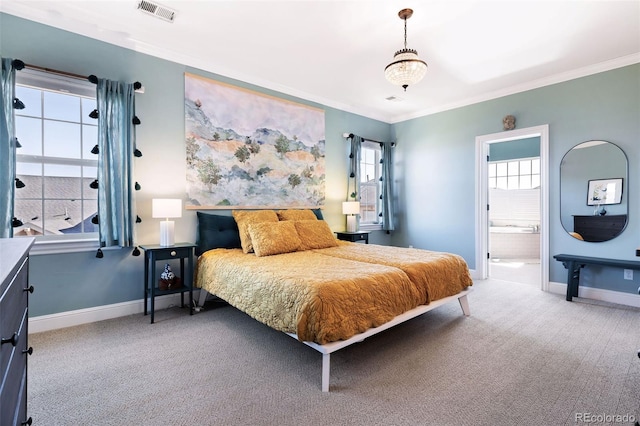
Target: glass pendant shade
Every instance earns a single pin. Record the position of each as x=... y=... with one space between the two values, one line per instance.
x=406 y=69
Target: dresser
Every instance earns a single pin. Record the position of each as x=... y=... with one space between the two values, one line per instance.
x=599 y=228
x=14 y=348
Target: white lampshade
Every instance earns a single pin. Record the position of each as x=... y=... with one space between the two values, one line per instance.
x=350 y=207
x=166 y=208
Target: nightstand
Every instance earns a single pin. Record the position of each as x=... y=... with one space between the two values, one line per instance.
x=354 y=236
x=154 y=253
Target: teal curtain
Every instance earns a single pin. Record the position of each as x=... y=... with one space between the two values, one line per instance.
x=7 y=147
x=353 y=184
x=353 y=191
x=116 y=142
x=387 y=186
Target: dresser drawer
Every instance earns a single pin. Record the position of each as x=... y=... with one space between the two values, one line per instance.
x=13 y=313
x=14 y=324
x=13 y=392
x=12 y=356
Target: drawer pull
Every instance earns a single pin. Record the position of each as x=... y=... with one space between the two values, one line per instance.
x=28 y=351
x=13 y=340
x=173 y=253
x=27 y=422
x=29 y=289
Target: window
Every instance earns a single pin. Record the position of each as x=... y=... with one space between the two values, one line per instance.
x=370 y=190
x=515 y=174
x=55 y=161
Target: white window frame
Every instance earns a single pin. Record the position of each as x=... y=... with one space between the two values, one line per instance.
x=52 y=82
x=375 y=182
x=505 y=169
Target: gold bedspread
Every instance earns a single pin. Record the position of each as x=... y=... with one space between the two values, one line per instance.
x=436 y=274
x=320 y=298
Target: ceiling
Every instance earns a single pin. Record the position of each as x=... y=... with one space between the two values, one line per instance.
x=334 y=52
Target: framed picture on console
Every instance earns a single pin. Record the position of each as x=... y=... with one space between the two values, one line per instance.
x=604 y=191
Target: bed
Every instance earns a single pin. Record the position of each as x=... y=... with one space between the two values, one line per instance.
x=287 y=270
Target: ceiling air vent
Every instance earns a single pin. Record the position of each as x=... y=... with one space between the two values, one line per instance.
x=157 y=10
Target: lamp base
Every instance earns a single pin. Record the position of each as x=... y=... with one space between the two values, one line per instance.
x=167 y=237
x=352 y=225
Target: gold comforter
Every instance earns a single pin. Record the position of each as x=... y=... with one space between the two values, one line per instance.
x=318 y=297
x=330 y=294
x=436 y=274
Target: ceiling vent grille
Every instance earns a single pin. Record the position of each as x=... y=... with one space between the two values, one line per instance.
x=157 y=10
x=394 y=99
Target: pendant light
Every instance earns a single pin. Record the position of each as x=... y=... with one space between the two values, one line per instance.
x=407 y=68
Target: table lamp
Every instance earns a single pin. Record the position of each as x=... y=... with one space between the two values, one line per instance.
x=166 y=208
x=351 y=209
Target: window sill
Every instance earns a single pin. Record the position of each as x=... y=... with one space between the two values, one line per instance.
x=371 y=227
x=44 y=247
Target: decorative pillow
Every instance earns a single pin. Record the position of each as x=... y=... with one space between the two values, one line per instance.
x=315 y=234
x=293 y=214
x=215 y=231
x=245 y=218
x=274 y=238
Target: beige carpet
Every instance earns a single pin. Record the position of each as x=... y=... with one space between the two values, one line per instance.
x=524 y=357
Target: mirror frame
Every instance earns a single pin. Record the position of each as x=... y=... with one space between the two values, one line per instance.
x=599 y=210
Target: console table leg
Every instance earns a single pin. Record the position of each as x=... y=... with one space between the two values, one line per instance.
x=573 y=278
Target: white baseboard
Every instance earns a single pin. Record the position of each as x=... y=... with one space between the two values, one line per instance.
x=618 y=297
x=100 y=313
x=474 y=274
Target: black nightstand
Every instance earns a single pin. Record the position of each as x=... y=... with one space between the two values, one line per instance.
x=354 y=236
x=154 y=253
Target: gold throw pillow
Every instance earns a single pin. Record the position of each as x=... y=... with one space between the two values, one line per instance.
x=244 y=218
x=315 y=234
x=297 y=214
x=274 y=238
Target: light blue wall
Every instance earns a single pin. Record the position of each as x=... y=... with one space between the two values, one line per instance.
x=80 y=280
x=436 y=165
x=521 y=148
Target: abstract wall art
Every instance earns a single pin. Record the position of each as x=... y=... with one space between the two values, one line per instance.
x=249 y=150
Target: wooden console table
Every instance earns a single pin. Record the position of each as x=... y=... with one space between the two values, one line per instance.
x=575 y=263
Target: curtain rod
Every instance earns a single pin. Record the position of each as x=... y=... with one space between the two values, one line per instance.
x=137 y=86
x=350 y=135
x=63 y=73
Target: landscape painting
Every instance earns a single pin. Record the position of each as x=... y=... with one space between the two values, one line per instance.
x=249 y=150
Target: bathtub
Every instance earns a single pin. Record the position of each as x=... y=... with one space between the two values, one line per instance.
x=514 y=242
x=513 y=229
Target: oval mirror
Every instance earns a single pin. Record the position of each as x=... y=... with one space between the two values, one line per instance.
x=593 y=192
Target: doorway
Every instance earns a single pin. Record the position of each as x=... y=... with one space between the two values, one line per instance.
x=514 y=228
x=514 y=210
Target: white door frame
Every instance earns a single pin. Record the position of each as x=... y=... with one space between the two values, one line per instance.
x=482 y=194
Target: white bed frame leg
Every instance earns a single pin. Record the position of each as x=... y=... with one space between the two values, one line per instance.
x=325 y=372
x=464 y=304
x=203 y=297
